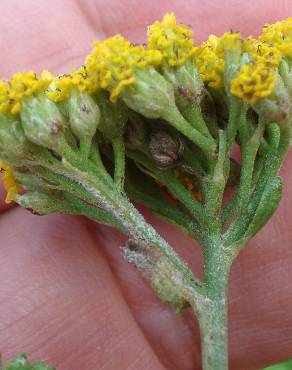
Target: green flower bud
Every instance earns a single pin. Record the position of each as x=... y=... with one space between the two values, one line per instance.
x=277 y=107
x=190 y=93
x=83 y=113
x=151 y=95
x=114 y=117
x=189 y=87
x=14 y=146
x=43 y=123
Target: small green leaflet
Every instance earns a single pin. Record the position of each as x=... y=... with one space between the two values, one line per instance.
x=287 y=365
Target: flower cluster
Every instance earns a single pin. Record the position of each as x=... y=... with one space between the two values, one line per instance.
x=134 y=75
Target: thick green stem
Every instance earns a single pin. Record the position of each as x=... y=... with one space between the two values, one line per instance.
x=214 y=334
x=212 y=313
x=211 y=306
x=122 y=209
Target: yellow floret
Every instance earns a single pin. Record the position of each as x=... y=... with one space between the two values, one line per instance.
x=175 y=42
x=22 y=84
x=279 y=35
x=62 y=85
x=262 y=52
x=5 y=102
x=253 y=82
x=228 y=42
x=9 y=182
x=209 y=63
x=113 y=63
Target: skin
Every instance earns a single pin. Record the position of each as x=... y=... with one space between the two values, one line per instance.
x=67 y=296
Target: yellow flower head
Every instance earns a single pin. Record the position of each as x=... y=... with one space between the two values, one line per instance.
x=22 y=84
x=209 y=63
x=62 y=85
x=175 y=42
x=279 y=35
x=253 y=82
x=262 y=52
x=5 y=102
x=9 y=182
x=228 y=42
x=114 y=61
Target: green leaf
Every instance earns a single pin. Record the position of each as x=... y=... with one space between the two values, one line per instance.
x=283 y=366
x=21 y=363
x=268 y=204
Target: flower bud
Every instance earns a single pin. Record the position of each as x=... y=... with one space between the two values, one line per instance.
x=277 y=107
x=165 y=150
x=43 y=123
x=14 y=147
x=83 y=113
x=151 y=95
x=187 y=82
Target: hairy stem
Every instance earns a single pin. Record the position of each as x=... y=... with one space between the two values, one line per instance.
x=212 y=310
x=214 y=335
x=115 y=203
x=119 y=156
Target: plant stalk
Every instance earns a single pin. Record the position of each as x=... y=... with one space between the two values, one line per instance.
x=212 y=311
x=214 y=332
